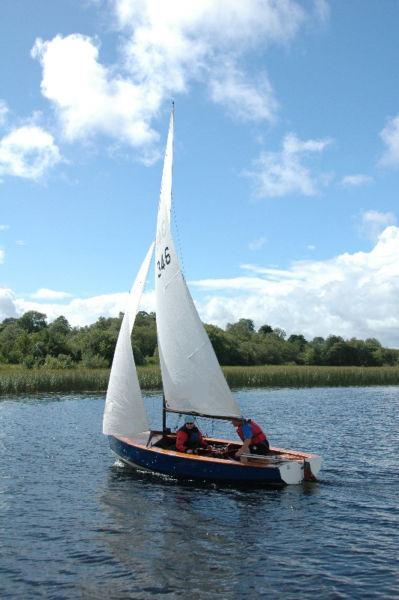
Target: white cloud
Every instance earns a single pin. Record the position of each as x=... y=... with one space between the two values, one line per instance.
x=165 y=47
x=175 y=43
x=88 y=98
x=46 y=294
x=80 y=311
x=374 y=222
x=281 y=173
x=21 y=243
x=257 y=244
x=349 y=295
x=322 y=10
x=356 y=180
x=7 y=304
x=28 y=152
x=3 y=112
x=164 y=28
x=244 y=100
x=390 y=137
x=4 y=227
x=2 y=255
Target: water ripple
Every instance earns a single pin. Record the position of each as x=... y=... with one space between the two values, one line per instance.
x=75 y=525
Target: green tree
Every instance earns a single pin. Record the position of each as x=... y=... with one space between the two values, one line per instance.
x=279 y=333
x=298 y=340
x=62 y=361
x=39 y=351
x=145 y=333
x=342 y=353
x=8 y=340
x=389 y=356
x=225 y=346
x=23 y=345
x=8 y=321
x=33 y=321
x=57 y=336
x=273 y=349
x=60 y=326
x=265 y=329
x=243 y=329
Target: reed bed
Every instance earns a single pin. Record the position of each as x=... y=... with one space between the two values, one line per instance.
x=310 y=376
x=17 y=380
x=20 y=380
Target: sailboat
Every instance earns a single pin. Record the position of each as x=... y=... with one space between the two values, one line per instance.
x=193 y=382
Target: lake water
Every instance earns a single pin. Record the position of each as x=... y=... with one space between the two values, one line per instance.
x=75 y=525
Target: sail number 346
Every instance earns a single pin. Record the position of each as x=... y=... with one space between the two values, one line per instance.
x=165 y=260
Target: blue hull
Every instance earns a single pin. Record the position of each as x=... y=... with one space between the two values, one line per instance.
x=183 y=467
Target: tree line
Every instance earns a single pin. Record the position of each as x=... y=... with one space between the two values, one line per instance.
x=32 y=342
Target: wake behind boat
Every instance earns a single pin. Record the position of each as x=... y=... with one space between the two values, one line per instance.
x=193 y=382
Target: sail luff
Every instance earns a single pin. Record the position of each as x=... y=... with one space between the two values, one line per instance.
x=124 y=411
x=165 y=197
x=192 y=378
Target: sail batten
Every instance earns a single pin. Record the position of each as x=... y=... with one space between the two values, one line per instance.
x=124 y=412
x=193 y=381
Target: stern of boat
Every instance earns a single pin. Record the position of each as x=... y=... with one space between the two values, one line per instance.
x=292 y=472
x=312 y=466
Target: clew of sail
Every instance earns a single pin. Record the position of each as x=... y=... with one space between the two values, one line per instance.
x=193 y=381
x=124 y=412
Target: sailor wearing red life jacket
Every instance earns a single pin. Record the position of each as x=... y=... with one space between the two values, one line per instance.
x=253 y=438
x=189 y=438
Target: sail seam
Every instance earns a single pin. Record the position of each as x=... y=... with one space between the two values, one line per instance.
x=170 y=280
x=197 y=350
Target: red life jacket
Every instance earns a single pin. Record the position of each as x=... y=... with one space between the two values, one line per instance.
x=257 y=434
x=189 y=438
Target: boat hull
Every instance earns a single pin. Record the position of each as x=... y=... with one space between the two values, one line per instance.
x=270 y=471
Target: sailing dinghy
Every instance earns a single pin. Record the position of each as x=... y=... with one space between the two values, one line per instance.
x=193 y=382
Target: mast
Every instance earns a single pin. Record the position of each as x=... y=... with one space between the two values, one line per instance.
x=163 y=414
x=166 y=183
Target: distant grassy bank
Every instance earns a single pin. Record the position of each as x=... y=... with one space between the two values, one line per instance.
x=17 y=380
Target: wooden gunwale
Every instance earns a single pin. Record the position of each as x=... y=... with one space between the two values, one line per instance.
x=283 y=454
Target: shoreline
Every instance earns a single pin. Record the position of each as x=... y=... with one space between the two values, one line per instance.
x=17 y=380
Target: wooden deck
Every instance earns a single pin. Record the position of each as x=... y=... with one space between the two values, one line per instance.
x=276 y=457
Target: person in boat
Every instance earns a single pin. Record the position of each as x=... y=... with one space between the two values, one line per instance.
x=253 y=438
x=189 y=438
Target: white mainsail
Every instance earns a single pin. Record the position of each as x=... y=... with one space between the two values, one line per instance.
x=193 y=381
x=124 y=412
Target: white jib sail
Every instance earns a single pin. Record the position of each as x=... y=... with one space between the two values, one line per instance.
x=192 y=378
x=124 y=412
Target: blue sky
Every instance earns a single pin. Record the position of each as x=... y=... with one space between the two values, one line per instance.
x=286 y=158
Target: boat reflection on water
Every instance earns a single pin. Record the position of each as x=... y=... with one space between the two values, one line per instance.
x=168 y=534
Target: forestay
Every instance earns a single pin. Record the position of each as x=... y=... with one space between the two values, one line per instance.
x=124 y=412
x=193 y=381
